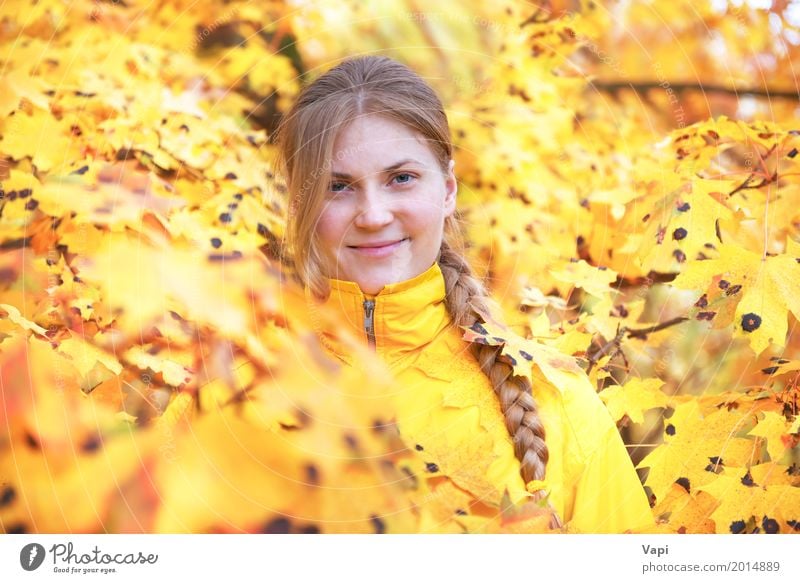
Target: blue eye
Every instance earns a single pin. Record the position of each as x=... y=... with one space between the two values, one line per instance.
x=404 y=174
x=334 y=184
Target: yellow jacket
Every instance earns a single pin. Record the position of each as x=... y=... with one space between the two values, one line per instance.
x=448 y=411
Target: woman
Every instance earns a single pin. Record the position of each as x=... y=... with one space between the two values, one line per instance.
x=366 y=154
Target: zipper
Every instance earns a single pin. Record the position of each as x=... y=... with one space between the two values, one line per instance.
x=369 y=321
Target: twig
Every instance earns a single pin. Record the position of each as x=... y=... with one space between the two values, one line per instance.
x=616 y=86
x=642 y=333
x=616 y=342
x=605 y=349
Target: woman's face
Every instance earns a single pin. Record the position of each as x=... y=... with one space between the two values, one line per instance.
x=383 y=218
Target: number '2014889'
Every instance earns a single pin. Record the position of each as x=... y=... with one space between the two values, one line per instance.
x=754 y=566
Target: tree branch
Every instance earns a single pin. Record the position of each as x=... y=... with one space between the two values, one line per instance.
x=644 y=86
x=642 y=333
x=614 y=346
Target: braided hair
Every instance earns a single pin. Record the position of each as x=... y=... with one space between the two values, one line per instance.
x=465 y=300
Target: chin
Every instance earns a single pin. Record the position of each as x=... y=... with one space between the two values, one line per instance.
x=372 y=284
x=371 y=280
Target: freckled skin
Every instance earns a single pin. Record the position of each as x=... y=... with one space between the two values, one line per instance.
x=372 y=205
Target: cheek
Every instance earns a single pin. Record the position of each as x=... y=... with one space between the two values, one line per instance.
x=331 y=227
x=424 y=218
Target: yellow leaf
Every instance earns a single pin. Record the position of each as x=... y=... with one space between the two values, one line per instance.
x=15 y=316
x=693 y=445
x=747 y=506
x=572 y=342
x=522 y=354
x=775 y=429
x=144 y=283
x=15 y=86
x=533 y=296
x=178 y=408
x=683 y=223
x=540 y=326
x=687 y=512
x=174 y=373
x=782 y=366
x=767 y=289
x=595 y=280
x=41 y=137
x=633 y=398
x=118 y=197
x=608 y=316
x=84 y=355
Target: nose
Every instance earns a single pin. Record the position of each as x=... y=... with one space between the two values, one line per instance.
x=374 y=209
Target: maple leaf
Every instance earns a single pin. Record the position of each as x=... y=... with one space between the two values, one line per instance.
x=114 y=195
x=299 y=448
x=13 y=314
x=533 y=296
x=530 y=516
x=633 y=398
x=764 y=289
x=747 y=506
x=92 y=363
x=144 y=283
x=42 y=138
x=522 y=354
x=607 y=316
x=687 y=511
x=775 y=429
x=174 y=373
x=682 y=225
x=16 y=86
x=77 y=446
x=595 y=280
x=781 y=366
x=691 y=440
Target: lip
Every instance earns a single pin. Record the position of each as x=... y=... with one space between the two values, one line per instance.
x=379 y=249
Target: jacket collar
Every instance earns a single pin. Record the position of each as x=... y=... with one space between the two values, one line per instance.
x=407 y=316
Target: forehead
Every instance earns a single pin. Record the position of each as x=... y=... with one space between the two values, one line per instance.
x=374 y=142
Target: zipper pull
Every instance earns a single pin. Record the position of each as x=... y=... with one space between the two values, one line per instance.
x=369 y=321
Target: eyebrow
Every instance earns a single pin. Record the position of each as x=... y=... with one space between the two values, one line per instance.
x=394 y=166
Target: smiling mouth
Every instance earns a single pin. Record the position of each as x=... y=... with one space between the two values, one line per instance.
x=378 y=246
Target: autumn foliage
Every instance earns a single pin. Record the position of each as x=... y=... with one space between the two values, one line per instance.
x=629 y=176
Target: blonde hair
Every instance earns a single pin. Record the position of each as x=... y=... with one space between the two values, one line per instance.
x=380 y=85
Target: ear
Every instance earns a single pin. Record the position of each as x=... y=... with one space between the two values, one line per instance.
x=451 y=188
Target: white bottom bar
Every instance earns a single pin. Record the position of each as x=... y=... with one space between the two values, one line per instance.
x=136 y=558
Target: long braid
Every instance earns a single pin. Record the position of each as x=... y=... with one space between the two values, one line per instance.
x=465 y=303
